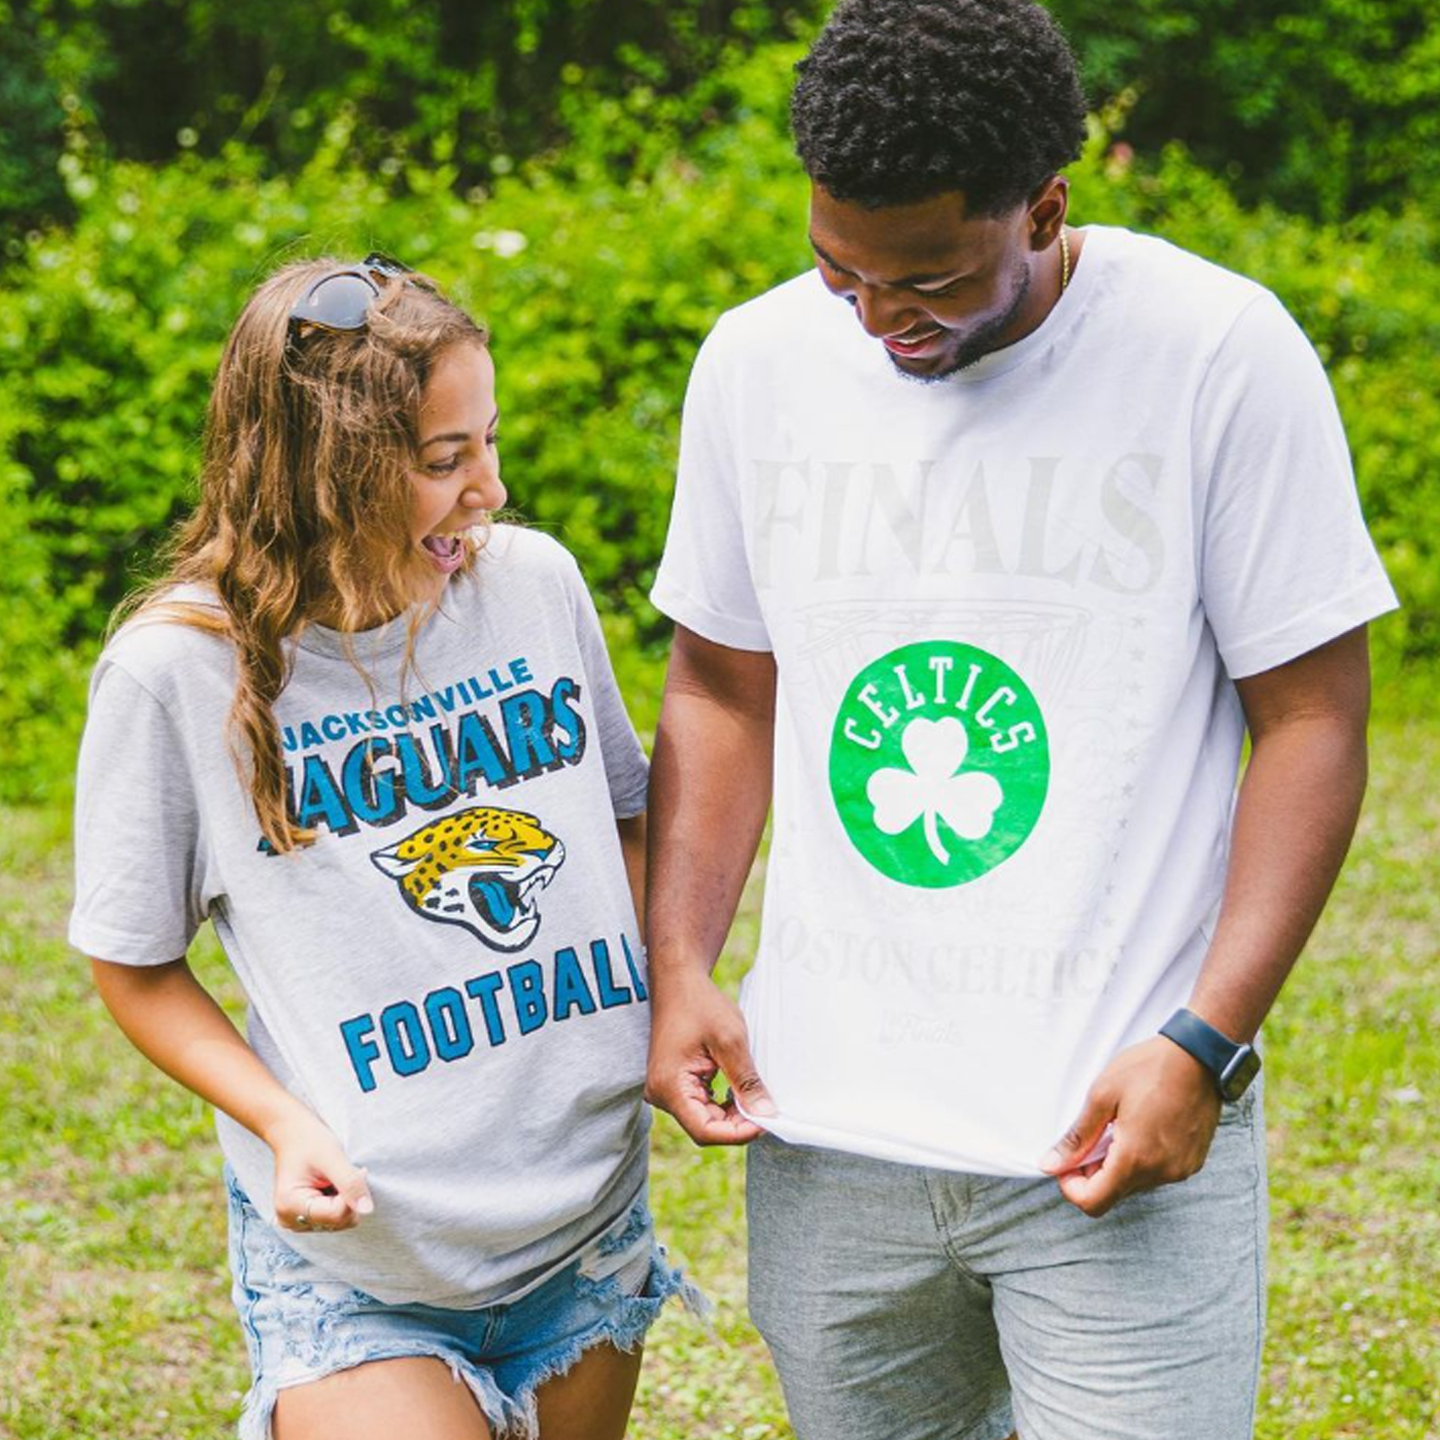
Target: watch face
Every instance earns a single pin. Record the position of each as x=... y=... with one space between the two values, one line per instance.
x=1239 y=1073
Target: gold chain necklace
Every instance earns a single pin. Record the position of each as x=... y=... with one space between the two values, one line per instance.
x=1064 y=260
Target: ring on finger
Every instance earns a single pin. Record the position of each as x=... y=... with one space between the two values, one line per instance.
x=302 y=1220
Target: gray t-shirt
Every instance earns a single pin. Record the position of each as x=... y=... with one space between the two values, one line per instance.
x=452 y=975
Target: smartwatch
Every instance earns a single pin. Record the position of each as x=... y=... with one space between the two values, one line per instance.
x=1232 y=1064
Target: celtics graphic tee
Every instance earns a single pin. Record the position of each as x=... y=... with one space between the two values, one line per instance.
x=451 y=976
x=1008 y=609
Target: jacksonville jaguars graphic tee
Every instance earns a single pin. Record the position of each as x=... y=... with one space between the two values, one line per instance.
x=1007 y=610
x=451 y=976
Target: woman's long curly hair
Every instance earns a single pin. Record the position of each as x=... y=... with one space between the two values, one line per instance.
x=305 y=497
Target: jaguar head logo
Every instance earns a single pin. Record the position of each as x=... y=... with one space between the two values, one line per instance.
x=481 y=868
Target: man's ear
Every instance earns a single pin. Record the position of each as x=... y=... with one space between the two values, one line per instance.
x=1047 y=207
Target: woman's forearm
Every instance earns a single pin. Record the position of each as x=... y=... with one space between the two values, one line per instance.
x=173 y=1021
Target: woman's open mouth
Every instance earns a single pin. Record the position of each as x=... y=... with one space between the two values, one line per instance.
x=447 y=552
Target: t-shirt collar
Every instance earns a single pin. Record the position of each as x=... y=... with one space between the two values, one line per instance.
x=382 y=641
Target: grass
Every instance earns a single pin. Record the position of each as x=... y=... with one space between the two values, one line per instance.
x=114 y=1316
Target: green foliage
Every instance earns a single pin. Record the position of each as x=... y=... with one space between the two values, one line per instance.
x=457 y=82
x=32 y=124
x=599 y=271
x=1324 y=107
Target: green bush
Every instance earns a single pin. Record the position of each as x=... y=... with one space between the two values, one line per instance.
x=473 y=85
x=599 y=272
x=1324 y=107
x=32 y=127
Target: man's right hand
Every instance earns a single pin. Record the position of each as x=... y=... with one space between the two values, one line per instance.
x=696 y=1034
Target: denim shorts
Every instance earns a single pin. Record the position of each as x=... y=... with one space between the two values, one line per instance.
x=903 y=1303
x=301 y=1325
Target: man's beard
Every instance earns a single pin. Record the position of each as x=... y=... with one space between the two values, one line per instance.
x=981 y=341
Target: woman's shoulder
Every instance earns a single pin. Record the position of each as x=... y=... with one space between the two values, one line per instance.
x=523 y=581
x=520 y=546
x=524 y=562
x=175 y=636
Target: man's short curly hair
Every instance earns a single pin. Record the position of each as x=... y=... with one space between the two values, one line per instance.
x=903 y=100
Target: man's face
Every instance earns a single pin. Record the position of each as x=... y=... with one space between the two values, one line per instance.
x=937 y=288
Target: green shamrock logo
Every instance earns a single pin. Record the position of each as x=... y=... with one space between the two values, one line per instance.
x=931 y=787
x=939 y=763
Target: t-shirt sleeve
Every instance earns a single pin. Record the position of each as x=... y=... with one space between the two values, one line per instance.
x=704 y=580
x=1286 y=563
x=627 y=771
x=137 y=830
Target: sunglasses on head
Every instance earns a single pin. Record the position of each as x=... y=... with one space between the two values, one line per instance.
x=341 y=299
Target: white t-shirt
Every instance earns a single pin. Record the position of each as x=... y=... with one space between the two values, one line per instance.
x=451 y=977
x=1006 y=609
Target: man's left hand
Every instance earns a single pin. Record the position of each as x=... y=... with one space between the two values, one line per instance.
x=1162 y=1107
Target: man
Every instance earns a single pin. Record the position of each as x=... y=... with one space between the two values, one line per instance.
x=991 y=538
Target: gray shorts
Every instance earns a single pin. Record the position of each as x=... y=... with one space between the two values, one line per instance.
x=903 y=1303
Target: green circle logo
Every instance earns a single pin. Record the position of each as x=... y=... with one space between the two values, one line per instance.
x=939 y=763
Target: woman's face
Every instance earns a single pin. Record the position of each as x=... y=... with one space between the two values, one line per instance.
x=456 y=475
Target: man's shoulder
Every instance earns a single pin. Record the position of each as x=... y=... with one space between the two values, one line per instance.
x=791 y=312
x=1159 y=283
x=800 y=294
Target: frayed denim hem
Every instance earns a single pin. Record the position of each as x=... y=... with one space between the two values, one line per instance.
x=625 y=1327
x=501 y=1413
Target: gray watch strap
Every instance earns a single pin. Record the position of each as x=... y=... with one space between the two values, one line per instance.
x=1233 y=1063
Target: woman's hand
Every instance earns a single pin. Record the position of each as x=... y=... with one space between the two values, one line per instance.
x=172 y=1021
x=316 y=1186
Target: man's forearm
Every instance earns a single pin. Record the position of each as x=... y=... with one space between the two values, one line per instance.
x=709 y=796
x=1296 y=814
x=1294 y=820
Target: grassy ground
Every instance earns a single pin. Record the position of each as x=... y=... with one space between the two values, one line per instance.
x=114 y=1317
